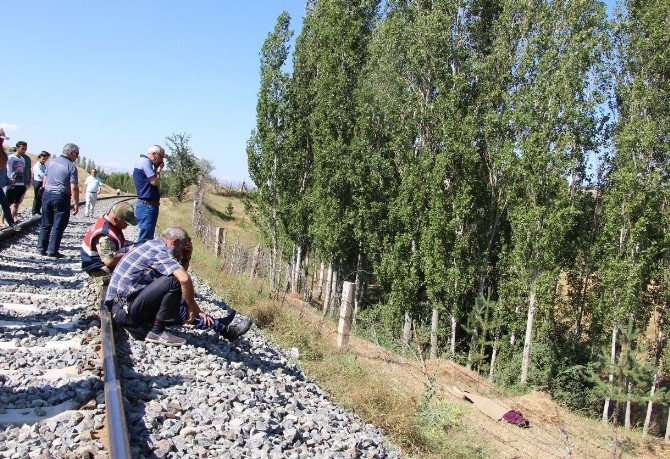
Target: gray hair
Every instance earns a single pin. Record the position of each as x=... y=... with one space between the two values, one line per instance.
x=70 y=148
x=175 y=232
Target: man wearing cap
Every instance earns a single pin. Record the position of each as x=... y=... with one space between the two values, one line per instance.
x=146 y=175
x=104 y=243
x=61 y=184
x=91 y=188
x=151 y=287
x=6 y=211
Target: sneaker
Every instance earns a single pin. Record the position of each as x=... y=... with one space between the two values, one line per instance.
x=238 y=328
x=43 y=253
x=56 y=255
x=165 y=338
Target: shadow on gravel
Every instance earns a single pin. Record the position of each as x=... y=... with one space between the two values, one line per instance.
x=45 y=270
x=138 y=389
x=74 y=284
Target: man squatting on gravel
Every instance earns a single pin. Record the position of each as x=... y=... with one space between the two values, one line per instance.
x=104 y=243
x=150 y=286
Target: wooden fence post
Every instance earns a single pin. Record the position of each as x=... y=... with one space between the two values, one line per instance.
x=218 y=249
x=346 y=314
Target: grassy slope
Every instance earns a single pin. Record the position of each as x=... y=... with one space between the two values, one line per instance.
x=389 y=390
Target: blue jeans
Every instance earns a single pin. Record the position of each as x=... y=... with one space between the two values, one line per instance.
x=5 y=207
x=147 y=215
x=55 y=217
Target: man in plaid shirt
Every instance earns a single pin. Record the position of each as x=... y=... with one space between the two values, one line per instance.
x=150 y=286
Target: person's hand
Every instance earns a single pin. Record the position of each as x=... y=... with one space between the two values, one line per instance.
x=188 y=249
x=75 y=208
x=207 y=320
x=193 y=313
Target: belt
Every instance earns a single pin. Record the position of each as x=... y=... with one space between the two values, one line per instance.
x=92 y=192
x=149 y=203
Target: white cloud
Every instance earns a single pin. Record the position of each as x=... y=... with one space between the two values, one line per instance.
x=9 y=127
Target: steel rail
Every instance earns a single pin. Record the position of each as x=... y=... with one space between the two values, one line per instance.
x=8 y=232
x=117 y=430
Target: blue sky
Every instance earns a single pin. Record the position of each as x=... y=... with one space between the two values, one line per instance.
x=115 y=77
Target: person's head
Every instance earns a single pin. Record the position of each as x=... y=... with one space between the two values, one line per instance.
x=156 y=154
x=176 y=238
x=71 y=151
x=122 y=215
x=3 y=137
x=21 y=148
x=43 y=157
x=93 y=172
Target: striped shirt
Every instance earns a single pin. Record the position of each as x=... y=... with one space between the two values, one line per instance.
x=140 y=267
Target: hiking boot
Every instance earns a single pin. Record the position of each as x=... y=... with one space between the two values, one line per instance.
x=238 y=328
x=166 y=338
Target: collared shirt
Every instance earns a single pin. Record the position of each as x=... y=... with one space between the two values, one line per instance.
x=61 y=173
x=139 y=267
x=143 y=171
x=39 y=170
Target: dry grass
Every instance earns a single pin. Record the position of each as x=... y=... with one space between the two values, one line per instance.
x=387 y=390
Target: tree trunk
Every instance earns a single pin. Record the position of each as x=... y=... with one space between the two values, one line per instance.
x=494 y=354
x=332 y=306
x=357 y=294
x=629 y=389
x=319 y=287
x=615 y=332
x=407 y=329
x=295 y=287
x=452 y=341
x=667 y=428
x=650 y=406
x=532 y=304
x=326 y=300
x=434 y=324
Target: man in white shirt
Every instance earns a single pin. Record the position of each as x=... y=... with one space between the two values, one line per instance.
x=91 y=188
x=39 y=170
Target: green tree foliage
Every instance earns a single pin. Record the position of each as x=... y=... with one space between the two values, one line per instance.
x=502 y=162
x=119 y=181
x=183 y=167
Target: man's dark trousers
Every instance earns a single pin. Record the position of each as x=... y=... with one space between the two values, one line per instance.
x=55 y=217
x=157 y=301
x=39 y=192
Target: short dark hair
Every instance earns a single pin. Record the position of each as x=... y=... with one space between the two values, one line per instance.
x=21 y=143
x=44 y=154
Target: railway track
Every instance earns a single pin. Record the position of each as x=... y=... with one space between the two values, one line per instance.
x=208 y=398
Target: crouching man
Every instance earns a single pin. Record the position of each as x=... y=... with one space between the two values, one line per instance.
x=150 y=286
x=104 y=243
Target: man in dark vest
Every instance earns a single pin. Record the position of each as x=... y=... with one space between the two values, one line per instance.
x=104 y=243
x=146 y=175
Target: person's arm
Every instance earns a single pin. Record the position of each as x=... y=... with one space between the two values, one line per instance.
x=187 y=293
x=108 y=253
x=74 y=188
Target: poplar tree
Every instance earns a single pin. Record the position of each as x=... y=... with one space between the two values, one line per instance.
x=266 y=150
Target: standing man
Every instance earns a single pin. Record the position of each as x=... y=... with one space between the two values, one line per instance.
x=6 y=211
x=61 y=183
x=16 y=165
x=146 y=174
x=91 y=188
x=39 y=170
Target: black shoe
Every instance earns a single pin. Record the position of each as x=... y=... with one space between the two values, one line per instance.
x=43 y=253
x=56 y=255
x=238 y=328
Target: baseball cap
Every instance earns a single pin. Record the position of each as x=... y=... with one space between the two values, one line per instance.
x=3 y=135
x=125 y=212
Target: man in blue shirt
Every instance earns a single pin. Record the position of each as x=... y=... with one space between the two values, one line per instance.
x=61 y=183
x=6 y=211
x=151 y=286
x=146 y=175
